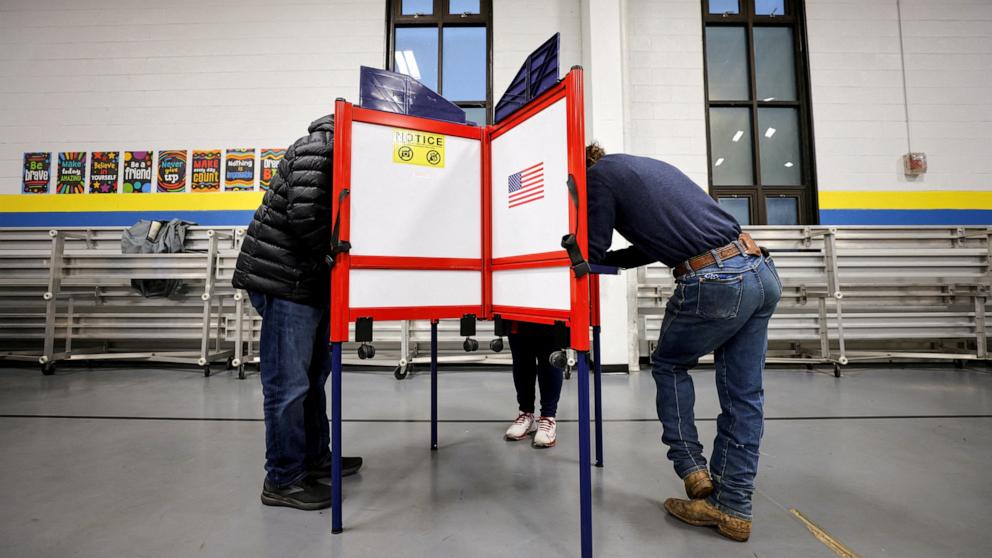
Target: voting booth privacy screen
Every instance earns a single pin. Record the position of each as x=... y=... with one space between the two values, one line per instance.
x=446 y=220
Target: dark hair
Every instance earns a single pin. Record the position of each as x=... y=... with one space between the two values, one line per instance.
x=594 y=152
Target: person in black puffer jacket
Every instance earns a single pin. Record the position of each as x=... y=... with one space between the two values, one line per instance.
x=282 y=267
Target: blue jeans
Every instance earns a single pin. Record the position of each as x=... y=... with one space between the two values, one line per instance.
x=294 y=367
x=722 y=309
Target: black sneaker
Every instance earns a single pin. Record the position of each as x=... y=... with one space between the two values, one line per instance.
x=303 y=494
x=349 y=466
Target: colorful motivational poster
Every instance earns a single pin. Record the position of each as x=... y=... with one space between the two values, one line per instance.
x=268 y=163
x=171 y=171
x=37 y=173
x=206 y=171
x=239 y=172
x=104 y=172
x=72 y=171
x=137 y=172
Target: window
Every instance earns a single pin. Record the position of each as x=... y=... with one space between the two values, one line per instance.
x=447 y=46
x=758 y=116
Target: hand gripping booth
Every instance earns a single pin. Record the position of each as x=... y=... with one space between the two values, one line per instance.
x=437 y=220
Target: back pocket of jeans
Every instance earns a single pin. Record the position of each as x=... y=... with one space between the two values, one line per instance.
x=720 y=296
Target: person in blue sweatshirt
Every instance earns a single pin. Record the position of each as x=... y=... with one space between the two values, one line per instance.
x=726 y=289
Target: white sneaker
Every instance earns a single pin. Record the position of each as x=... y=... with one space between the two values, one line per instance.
x=522 y=427
x=547 y=432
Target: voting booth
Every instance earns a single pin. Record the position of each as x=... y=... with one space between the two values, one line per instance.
x=436 y=220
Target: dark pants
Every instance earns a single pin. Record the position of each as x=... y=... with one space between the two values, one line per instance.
x=294 y=367
x=723 y=309
x=531 y=348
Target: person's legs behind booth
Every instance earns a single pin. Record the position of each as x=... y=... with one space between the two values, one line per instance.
x=531 y=346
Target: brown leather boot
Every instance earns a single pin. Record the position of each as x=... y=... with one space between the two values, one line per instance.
x=698 y=484
x=702 y=513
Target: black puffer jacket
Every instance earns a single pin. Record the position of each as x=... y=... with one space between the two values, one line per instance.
x=283 y=252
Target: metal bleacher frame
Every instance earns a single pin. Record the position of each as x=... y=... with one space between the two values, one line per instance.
x=850 y=294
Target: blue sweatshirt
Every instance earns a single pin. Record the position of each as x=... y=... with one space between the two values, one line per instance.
x=664 y=214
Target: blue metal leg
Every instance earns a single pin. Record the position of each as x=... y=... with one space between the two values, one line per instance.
x=597 y=395
x=336 y=438
x=433 y=385
x=585 y=480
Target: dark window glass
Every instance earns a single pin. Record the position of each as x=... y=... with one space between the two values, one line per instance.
x=769 y=7
x=475 y=114
x=774 y=64
x=421 y=7
x=464 y=64
x=724 y=7
x=416 y=54
x=782 y=211
x=739 y=208
x=779 y=141
x=464 y=7
x=730 y=146
x=726 y=63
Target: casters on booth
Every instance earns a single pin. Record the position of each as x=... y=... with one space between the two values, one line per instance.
x=363 y=335
x=467 y=329
x=499 y=328
x=564 y=360
x=496 y=345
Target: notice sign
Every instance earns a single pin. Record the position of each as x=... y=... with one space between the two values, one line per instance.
x=206 y=171
x=171 y=171
x=37 y=173
x=413 y=147
x=103 y=172
x=72 y=167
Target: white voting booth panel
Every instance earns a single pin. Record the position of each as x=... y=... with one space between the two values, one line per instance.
x=533 y=227
x=396 y=288
x=408 y=210
x=544 y=287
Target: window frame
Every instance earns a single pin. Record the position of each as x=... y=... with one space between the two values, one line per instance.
x=441 y=19
x=794 y=18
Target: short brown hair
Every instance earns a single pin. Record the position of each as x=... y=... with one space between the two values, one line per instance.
x=594 y=152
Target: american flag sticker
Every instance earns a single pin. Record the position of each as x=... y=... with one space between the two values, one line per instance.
x=526 y=186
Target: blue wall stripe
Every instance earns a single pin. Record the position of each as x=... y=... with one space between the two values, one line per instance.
x=905 y=217
x=122 y=218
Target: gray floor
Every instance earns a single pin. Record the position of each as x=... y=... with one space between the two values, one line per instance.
x=883 y=459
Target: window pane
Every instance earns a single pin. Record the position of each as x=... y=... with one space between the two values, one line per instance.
x=730 y=147
x=774 y=63
x=782 y=211
x=422 y=7
x=475 y=114
x=464 y=64
x=740 y=208
x=416 y=54
x=724 y=7
x=726 y=64
x=769 y=7
x=780 y=161
x=464 y=7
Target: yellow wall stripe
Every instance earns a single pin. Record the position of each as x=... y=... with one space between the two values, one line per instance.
x=906 y=200
x=201 y=201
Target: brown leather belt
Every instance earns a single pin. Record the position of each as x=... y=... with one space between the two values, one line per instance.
x=706 y=259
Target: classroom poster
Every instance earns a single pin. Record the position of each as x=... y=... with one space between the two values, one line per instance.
x=104 y=166
x=239 y=171
x=137 y=172
x=37 y=173
x=72 y=173
x=268 y=163
x=206 y=171
x=172 y=171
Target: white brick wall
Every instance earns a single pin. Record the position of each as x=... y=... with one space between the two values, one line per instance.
x=858 y=102
x=138 y=74
x=665 y=105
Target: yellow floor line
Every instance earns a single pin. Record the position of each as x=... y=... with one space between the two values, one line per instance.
x=824 y=537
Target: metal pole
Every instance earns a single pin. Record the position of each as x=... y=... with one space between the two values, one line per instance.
x=597 y=394
x=336 y=438
x=585 y=480
x=433 y=385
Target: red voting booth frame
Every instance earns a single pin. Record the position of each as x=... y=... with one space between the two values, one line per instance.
x=584 y=290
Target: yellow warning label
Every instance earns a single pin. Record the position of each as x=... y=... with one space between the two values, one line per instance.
x=414 y=147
